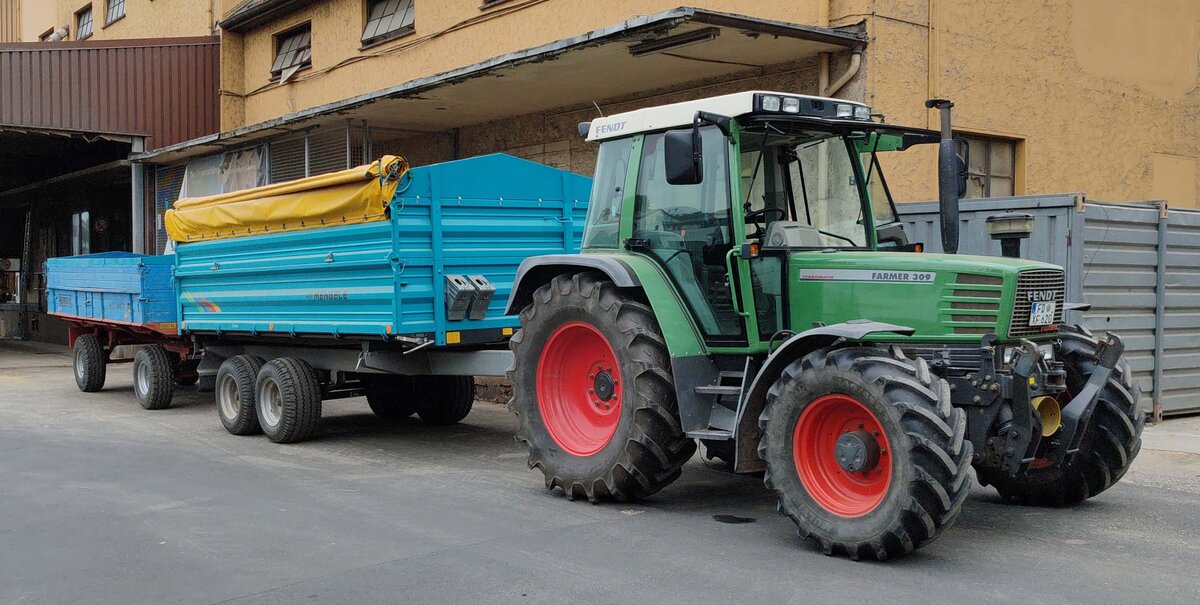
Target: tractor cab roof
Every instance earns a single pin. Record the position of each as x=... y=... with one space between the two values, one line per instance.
x=750 y=103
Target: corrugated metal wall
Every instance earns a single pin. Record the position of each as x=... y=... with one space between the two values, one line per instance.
x=1111 y=254
x=163 y=88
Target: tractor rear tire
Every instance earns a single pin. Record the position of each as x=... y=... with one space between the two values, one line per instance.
x=593 y=392
x=445 y=400
x=907 y=473
x=288 y=399
x=1112 y=440
x=235 y=394
x=391 y=396
x=154 y=377
x=89 y=363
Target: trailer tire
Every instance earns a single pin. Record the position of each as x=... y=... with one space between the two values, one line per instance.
x=908 y=470
x=89 y=363
x=154 y=377
x=640 y=447
x=288 y=400
x=390 y=396
x=1113 y=438
x=449 y=398
x=235 y=392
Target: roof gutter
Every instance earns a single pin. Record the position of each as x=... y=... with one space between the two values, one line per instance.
x=254 y=13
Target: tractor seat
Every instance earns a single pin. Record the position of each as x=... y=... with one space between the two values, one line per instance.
x=791 y=234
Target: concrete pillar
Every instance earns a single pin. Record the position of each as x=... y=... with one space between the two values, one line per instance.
x=138 y=199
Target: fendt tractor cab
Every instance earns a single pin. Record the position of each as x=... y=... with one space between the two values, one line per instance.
x=744 y=283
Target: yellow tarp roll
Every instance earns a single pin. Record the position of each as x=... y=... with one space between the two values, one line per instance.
x=357 y=195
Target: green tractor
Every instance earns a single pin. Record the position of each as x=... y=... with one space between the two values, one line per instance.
x=744 y=283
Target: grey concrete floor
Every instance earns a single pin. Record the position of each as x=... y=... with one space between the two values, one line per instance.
x=103 y=502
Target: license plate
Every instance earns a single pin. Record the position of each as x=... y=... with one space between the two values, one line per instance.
x=1042 y=313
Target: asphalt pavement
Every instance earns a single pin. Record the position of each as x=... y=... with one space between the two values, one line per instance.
x=104 y=502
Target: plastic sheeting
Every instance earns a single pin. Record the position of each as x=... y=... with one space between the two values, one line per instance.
x=357 y=195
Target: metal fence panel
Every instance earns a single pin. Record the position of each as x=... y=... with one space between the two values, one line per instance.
x=1120 y=263
x=1181 y=323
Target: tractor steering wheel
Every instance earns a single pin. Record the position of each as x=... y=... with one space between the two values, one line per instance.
x=759 y=219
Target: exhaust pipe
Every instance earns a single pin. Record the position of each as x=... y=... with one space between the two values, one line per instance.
x=952 y=173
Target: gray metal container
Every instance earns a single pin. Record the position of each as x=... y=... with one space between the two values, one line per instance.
x=1137 y=264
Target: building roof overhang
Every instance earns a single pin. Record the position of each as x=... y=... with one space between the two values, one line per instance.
x=647 y=53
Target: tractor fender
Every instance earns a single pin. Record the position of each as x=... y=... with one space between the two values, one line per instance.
x=538 y=270
x=747 y=431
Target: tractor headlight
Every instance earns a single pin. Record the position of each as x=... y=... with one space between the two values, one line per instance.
x=845 y=111
x=862 y=113
x=770 y=103
x=791 y=105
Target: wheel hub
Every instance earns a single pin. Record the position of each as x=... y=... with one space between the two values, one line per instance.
x=857 y=451
x=604 y=386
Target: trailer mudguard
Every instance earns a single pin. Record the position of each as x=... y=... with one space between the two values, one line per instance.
x=746 y=430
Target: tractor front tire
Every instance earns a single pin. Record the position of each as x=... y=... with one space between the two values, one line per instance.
x=593 y=392
x=154 y=377
x=1112 y=439
x=864 y=451
x=89 y=363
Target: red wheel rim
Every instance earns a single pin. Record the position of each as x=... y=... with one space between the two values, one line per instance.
x=814 y=450
x=579 y=388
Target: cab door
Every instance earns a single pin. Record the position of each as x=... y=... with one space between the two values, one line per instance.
x=693 y=233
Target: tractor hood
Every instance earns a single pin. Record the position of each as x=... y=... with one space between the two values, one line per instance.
x=945 y=298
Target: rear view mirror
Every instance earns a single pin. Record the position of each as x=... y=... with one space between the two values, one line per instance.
x=963 y=158
x=962 y=176
x=683 y=156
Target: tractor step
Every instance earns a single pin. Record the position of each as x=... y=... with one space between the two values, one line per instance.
x=711 y=434
x=719 y=390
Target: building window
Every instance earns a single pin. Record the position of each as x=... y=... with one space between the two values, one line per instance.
x=116 y=10
x=991 y=167
x=83 y=23
x=387 y=19
x=293 y=52
x=46 y=35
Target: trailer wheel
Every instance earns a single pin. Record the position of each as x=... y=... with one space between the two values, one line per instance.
x=593 y=392
x=234 y=393
x=288 y=397
x=154 y=377
x=1112 y=440
x=445 y=400
x=390 y=396
x=89 y=363
x=864 y=451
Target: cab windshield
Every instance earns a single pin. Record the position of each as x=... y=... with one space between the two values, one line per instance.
x=801 y=190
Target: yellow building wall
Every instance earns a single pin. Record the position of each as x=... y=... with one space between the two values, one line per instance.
x=37 y=16
x=1095 y=89
x=448 y=34
x=1101 y=94
x=144 y=18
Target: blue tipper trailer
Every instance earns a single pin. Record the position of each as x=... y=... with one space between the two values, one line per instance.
x=405 y=308
x=115 y=299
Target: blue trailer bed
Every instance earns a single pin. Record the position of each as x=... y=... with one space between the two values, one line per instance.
x=471 y=220
x=118 y=288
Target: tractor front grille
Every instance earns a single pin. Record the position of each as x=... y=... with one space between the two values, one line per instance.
x=975 y=303
x=1029 y=286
